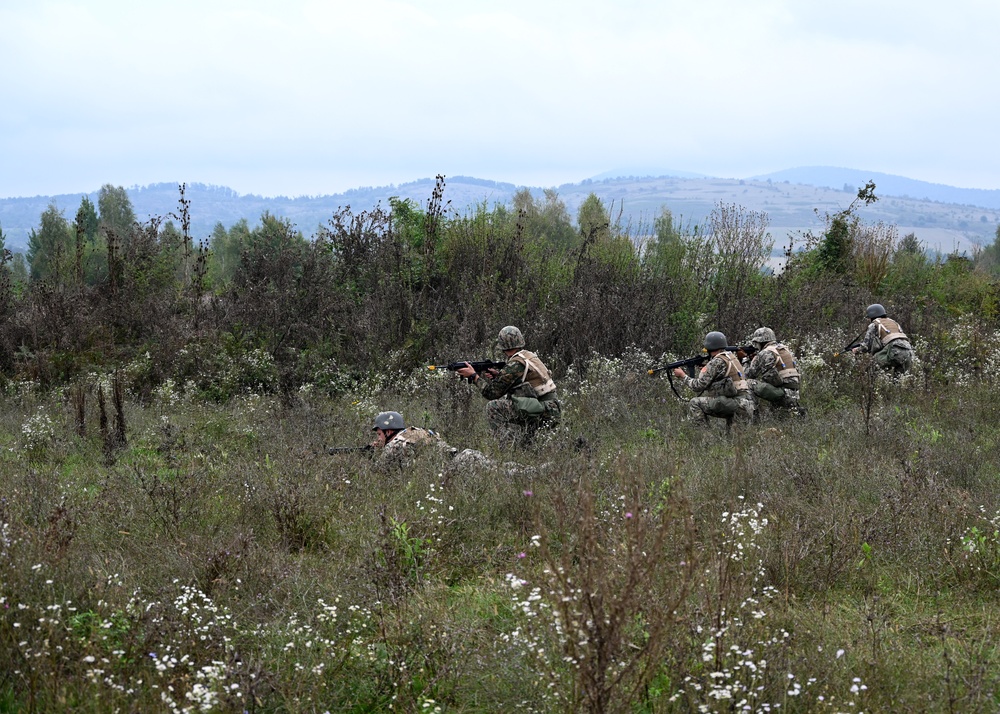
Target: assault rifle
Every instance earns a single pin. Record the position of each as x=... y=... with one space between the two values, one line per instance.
x=349 y=449
x=856 y=342
x=688 y=365
x=480 y=366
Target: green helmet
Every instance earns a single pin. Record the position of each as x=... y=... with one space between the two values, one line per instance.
x=874 y=311
x=389 y=421
x=510 y=338
x=763 y=335
x=716 y=341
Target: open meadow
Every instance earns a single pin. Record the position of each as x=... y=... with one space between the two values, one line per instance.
x=222 y=561
x=175 y=537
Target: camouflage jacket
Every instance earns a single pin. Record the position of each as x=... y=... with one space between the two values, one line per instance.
x=767 y=367
x=507 y=382
x=412 y=439
x=880 y=328
x=711 y=382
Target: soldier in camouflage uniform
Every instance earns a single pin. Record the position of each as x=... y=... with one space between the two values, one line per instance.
x=522 y=396
x=772 y=373
x=397 y=443
x=722 y=389
x=886 y=340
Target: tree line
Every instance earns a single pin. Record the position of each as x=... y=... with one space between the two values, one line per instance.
x=400 y=285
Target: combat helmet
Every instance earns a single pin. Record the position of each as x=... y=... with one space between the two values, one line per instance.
x=763 y=335
x=510 y=338
x=716 y=341
x=389 y=421
x=873 y=311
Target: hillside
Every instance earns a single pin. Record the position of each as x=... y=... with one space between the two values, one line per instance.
x=944 y=217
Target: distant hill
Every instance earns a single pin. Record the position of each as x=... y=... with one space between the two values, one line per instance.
x=888 y=185
x=646 y=173
x=794 y=201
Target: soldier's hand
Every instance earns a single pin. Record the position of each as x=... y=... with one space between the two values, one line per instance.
x=678 y=372
x=467 y=371
x=492 y=372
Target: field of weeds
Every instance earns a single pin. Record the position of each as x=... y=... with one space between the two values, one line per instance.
x=179 y=554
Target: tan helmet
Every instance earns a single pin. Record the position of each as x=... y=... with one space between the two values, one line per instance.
x=510 y=338
x=389 y=421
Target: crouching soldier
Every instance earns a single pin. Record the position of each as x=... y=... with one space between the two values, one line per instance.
x=773 y=373
x=522 y=396
x=722 y=389
x=886 y=340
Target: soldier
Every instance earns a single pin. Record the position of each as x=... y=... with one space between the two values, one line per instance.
x=522 y=396
x=396 y=442
x=722 y=390
x=772 y=373
x=886 y=340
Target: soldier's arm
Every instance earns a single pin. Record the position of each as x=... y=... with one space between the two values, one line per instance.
x=495 y=387
x=708 y=375
x=870 y=342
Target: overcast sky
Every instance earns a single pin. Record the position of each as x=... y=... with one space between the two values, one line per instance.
x=302 y=97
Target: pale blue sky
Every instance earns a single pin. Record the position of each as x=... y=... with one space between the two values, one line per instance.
x=304 y=97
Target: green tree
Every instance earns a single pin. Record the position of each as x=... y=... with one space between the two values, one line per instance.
x=548 y=222
x=226 y=248
x=50 y=247
x=19 y=269
x=988 y=259
x=593 y=220
x=117 y=215
x=91 y=255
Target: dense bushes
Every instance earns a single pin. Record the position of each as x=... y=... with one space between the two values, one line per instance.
x=399 y=286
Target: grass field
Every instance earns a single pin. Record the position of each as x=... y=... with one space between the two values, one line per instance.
x=220 y=560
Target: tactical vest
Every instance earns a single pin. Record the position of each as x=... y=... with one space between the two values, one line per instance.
x=734 y=371
x=536 y=374
x=787 y=369
x=415 y=435
x=413 y=439
x=888 y=330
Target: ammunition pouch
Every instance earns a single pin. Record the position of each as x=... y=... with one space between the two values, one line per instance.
x=528 y=407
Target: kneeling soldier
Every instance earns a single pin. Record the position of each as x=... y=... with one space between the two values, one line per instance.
x=522 y=395
x=723 y=391
x=886 y=340
x=773 y=373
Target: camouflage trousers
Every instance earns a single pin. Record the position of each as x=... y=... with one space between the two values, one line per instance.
x=894 y=358
x=741 y=407
x=776 y=396
x=512 y=427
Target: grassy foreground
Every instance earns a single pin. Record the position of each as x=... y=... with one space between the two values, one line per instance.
x=221 y=561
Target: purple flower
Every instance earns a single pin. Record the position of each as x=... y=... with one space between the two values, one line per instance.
x=522 y=555
x=527 y=493
x=628 y=514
